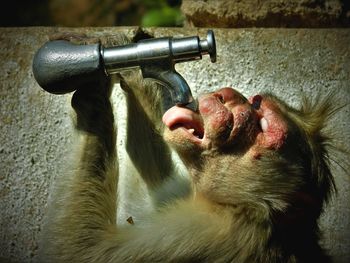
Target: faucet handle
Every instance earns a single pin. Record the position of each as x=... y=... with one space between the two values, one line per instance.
x=208 y=46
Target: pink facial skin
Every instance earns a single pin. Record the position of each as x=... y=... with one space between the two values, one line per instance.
x=275 y=129
x=226 y=116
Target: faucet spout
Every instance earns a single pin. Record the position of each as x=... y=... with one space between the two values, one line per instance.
x=167 y=76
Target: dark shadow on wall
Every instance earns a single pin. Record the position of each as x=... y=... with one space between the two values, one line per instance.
x=91 y=13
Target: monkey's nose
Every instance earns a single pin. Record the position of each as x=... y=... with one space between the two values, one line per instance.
x=230 y=95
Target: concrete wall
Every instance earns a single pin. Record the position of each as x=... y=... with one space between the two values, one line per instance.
x=36 y=133
x=267 y=13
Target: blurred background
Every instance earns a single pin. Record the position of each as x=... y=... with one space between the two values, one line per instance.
x=175 y=13
x=75 y=13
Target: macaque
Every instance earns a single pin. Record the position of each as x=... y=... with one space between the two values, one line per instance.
x=259 y=179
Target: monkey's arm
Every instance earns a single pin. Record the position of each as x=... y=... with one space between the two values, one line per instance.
x=187 y=231
x=83 y=211
x=145 y=144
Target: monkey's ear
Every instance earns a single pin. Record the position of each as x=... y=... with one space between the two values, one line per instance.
x=315 y=115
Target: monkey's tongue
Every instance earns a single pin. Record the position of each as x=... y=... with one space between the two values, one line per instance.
x=182 y=117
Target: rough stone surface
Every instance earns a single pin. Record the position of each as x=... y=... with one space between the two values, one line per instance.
x=266 y=13
x=36 y=133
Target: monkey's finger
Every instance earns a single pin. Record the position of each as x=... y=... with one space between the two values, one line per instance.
x=76 y=38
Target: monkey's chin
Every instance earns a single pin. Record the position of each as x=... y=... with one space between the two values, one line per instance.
x=188 y=148
x=182 y=138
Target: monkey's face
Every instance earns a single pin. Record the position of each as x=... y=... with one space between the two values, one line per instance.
x=229 y=139
x=258 y=151
x=226 y=122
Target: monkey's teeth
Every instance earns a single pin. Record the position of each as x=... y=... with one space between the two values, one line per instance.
x=194 y=133
x=263 y=124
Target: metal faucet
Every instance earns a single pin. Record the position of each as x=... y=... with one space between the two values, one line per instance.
x=60 y=67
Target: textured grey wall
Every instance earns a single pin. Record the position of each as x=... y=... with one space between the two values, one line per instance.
x=36 y=133
x=267 y=13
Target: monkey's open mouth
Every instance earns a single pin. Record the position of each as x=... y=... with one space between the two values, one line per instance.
x=189 y=127
x=178 y=117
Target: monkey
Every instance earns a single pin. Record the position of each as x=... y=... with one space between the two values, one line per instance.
x=259 y=179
